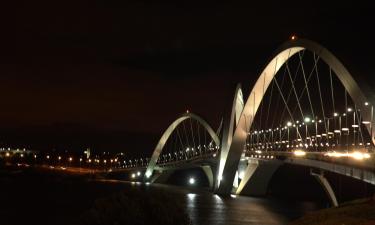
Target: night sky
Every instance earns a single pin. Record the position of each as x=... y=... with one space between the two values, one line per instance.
x=113 y=75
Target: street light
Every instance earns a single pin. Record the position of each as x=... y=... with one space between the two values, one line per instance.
x=191 y=181
x=307 y=121
x=288 y=124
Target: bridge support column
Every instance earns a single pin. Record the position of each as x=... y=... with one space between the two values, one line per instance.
x=162 y=176
x=250 y=169
x=327 y=187
x=257 y=177
x=209 y=174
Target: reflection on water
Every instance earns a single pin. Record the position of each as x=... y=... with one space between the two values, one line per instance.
x=212 y=209
x=206 y=208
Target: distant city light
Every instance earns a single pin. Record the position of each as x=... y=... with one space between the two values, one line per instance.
x=299 y=153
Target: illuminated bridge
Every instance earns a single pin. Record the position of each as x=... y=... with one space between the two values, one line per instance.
x=305 y=109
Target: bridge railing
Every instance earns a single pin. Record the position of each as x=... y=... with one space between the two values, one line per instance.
x=354 y=159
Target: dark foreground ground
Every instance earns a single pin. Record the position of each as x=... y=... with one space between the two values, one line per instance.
x=28 y=196
x=359 y=212
x=43 y=196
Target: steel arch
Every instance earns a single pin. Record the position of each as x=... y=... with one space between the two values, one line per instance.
x=287 y=50
x=168 y=132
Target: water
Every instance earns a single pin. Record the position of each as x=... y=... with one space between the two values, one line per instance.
x=206 y=208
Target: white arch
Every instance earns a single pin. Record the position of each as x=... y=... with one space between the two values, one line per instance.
x=231 y=123
x=287 y=50
x=159 y=147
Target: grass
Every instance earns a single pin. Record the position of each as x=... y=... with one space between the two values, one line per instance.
x=136 y=209
x=358 y=212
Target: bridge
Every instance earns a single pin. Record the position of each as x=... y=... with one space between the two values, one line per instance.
x=305 y=109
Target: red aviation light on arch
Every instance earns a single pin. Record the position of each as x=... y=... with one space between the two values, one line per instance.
x=293 y=37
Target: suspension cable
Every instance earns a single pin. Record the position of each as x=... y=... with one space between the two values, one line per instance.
x=306 y=84
x=285 y=102
x=187 y=138
x=294 y=88
x=199 y=138
x=278 y=97
x=320 y=95
x=179 y=136
x=332 y=95
x=192 y=135
x=291 y=89
x=262 y=102
x=269 y=105
x=359 y=119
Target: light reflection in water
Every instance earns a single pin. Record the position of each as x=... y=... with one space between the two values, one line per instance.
x=205 y=208
x=209 y=209
x=191 y=196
